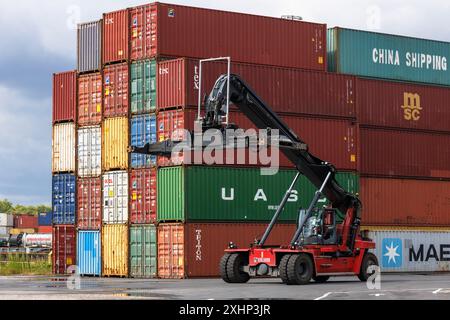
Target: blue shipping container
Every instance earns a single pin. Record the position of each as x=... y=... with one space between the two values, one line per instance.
x=143 y=131
x=378 y=55
x=45 y=219
x=64 y=189
x=89 y=253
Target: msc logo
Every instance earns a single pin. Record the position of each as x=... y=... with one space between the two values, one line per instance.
x=411 y=106
x=392 y=253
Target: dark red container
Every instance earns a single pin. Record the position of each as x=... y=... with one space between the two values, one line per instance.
x=64 y=96
x=404 y=153
x=26 y=222
x=89 y=204
x=403 y=202
x=194 y=250
x=166 y=30
x=403 y=105
x=116 y=90
x=286 y=90
x=143 y=196
x=332 y=140
x=115 y=45
x=90 y=99
x=64 y=249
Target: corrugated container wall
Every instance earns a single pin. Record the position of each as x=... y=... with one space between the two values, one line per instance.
x=143 y=131
x=404 y=153
x=24 y=221
x=378 y=55
x=115 y=36
x=143 y=86
x=64 y=96
x=45 y=219
x=115 y=144
x=90 y=99
x=115 y=197
x=5 y=231
x=64 y=198
x=89 y=204
x=64 y=249
x=284 y=90
x=89 y=56
x=143 y=196
x=115 y=244
x=6 y=220
x=404 y=202
x=44 y=229
x=63 y=156
x=89 y=152
x=403 y=105
x=143 y=251
x=412 y=251
x=179 y=31
x=332 y=140
x=89 y=253
x=195 y=250
x=116 y=90
x=234 y=194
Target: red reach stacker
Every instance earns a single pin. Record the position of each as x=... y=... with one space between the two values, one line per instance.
x=322 y=246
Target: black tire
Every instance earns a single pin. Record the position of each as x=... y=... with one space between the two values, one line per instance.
x=283 y=267
x=223 y=267
x=235 y=264
x=300 y=269
x=321 y=279
x=369 y=260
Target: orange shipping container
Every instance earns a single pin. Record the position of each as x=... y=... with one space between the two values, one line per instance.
x=115 y=36
x=90 y=99
x=194 y=249
x=404 y=202
x=64 y=96
x=115 y=87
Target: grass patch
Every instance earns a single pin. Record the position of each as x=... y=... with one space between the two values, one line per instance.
x=22 y=264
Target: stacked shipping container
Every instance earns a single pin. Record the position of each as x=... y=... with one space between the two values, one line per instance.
x=147 y=223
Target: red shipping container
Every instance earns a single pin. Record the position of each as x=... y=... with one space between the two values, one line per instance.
x=115 y=45
x=90 y=99
x=332 y=140
x=194 y=250
x=159 y=30
x=143 y=196
x=89 y=204
x=284 y=90
x=403 y=202
x=64 y=249
x=403 y=105
x=26 y=222
x=45 y=229
x=116 y=90
x=64 y=96
x=404 y=153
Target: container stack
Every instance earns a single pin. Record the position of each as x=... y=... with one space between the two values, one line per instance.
x=6 y=224
x=382 y=123
x=63 y=169
x=403 y=90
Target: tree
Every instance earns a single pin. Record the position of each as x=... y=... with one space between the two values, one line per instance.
x=6 y=206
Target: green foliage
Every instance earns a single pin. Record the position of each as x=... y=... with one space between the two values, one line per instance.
x=7 y=206
x=25 y=265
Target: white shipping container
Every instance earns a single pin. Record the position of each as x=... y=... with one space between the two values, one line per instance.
x=115 y=197
x=412 y=251
x=4 y=231
x=6 y=220
x=63 y=159
x=89 y=152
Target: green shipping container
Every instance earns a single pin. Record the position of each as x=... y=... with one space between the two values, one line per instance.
x=143 y=251
x=143 y=86
x=377 y=55
x=233 y=194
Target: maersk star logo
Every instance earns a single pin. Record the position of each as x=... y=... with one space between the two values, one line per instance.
x=392 y=253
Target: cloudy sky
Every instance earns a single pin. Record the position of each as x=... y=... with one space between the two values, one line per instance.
x=38 y=37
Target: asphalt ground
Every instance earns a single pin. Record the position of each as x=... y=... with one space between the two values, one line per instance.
x=393 y=287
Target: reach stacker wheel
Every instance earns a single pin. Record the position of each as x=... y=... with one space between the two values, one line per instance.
x=300 y=269
x=232 y=268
